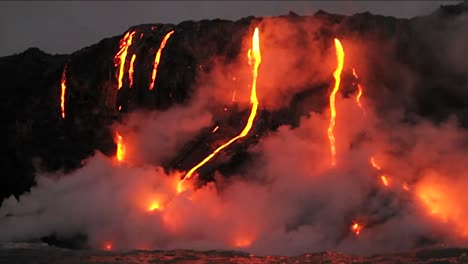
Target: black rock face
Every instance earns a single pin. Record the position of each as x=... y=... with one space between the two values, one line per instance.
x=39 y=139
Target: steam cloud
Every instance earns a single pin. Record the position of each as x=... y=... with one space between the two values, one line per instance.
x=288 y=200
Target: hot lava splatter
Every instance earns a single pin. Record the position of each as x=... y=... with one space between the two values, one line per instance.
x=358 y=96
x=120 y=57
x=130 y=70
x=120 y=154
x=63 y=84
x=356 y=228
x=337 y=76
x=255 y=59
x=157 y=58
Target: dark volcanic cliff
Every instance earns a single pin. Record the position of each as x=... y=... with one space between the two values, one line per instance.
x=39 y=139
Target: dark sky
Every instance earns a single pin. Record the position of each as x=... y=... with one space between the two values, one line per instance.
x=64 y=27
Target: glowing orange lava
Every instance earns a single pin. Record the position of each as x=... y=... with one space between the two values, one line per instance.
x=120 y=155
x=374 y=164
x=358 y=96
x=384 y=180
x=130 y=70
x=120 y=57
x=233 y=96
x=108 y=246
x=255 y=59
x=405 y=186
x=242 y=242
x=63 y=84
x=337 y=76
x=356 y=228
x=157 y=58
x=153 y=206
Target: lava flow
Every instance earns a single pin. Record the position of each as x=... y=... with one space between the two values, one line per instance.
x=63 y=84
x=120 y=57
x=358 y=96
x=337 y=76
x=255 y=59
x=120 y=154
x=130 y=70
x=157 y=58
x=356 y=228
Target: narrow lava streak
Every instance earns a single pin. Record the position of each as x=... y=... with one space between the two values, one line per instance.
x=120 y=57
x=215 y=129
x=337 y=76
x=358 y=96
x=63 y=84
x=374 y=164
x=157 y=58
x=120 y=154
x=234 y=96
x=130 y=70
x=384 y=180
x=254 y=60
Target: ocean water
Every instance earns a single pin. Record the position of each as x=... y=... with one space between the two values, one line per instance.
x=44 y=254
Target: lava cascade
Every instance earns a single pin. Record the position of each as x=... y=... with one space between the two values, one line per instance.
x=121 y=56
x=254 y=59
x=157 y=58
x=63 y=85
x=120 y=154
x=337 y=76
x=131 y=70
x=360 y=91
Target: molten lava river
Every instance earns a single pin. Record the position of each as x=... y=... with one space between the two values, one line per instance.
x=344 y=179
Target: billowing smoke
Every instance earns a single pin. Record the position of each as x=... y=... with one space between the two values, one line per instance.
x=288 y=199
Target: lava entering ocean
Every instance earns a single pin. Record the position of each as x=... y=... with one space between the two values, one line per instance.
x=268 y=189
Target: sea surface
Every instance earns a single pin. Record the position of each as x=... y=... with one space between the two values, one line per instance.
x=44 y=254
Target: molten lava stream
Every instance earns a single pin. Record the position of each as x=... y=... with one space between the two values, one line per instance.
x=157 y=58
x=130 y=70
x=121 y=55
x=358 y=96
x=337 y=76
x=63 y=84
x=374 y=164
x=120 y=154
x=255 y=59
